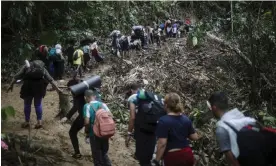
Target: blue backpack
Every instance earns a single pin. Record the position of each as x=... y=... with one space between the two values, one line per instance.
x=52 y=52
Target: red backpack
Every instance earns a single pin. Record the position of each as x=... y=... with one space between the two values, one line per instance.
x=41 y=48
x=104 y=125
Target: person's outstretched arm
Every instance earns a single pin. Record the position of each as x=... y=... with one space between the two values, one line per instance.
x=50 y=79
x=17 y=76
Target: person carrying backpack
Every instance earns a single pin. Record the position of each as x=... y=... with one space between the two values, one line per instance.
x=86 y=56
x=99 y=126
x=139 y=33
x=172 y=132
x=41 y=53
x=78 y=124
x=35 y=80
x=95 y=52
x=59 y=67
x=69 y=52
x=145 y=110
x=240 y=138
x=78 y=61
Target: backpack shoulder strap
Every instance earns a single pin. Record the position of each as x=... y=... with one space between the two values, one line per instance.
x=229 y=125
x=94 y=109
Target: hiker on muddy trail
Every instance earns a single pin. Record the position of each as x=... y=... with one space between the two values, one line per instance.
x=174 y=30
x=187 y=24
x=41 y=53
x=57 y=60
x=177 y=128
x=242 y=140
x=149 y=33
x=94 y=113
x=134 y=43
x=78 y=124
x=115 y=34
x=35 y=80
x=95 y=52
x=139 y=33
x=157 y=35
x=69 y=53
x=78 y=61
x=124 y=45
x=86 y=57
x=143 y=104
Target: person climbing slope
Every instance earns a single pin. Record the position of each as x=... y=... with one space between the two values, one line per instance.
x=78 y=61
x=99 y=145
x=86 y=57
x=69 y=52
x=41 y=53
x=145 y=110
x=115 y=34
x=95 y=52
x=78 y=124
x=139 y=33
x=59 y=67
x=243 y=141
x=35 y=80
x=172 y=132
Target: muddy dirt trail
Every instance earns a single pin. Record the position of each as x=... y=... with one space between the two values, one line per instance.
x=56 y=134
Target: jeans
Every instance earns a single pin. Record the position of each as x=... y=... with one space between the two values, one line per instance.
x=37 y=104
x=99 y=148
x=73 y=133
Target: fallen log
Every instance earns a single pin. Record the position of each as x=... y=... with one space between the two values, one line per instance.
x=241 y=54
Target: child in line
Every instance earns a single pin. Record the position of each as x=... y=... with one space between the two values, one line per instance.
x=99 y=146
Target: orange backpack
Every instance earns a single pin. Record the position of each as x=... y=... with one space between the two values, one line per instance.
x=104 y=125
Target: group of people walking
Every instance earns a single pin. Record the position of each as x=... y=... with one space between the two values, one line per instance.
x=141 y=36
x=158 y=125
x=242 y=139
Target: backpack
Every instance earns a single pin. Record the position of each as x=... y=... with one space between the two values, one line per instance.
x=35 y=71
x=104 y=125
x=256 y=142
x=53 y=55
x=41 y=48
x=52 y=52
x=76 y=55
x=150 y=109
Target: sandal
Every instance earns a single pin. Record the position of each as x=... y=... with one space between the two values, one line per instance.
x=77 y=156
x=25 y=125
x=38 y=126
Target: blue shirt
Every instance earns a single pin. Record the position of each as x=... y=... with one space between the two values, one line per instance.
x=176 y=129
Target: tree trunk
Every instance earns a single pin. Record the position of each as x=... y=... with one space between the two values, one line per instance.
x=253 y=95
x=39 y=9
x=64 y=104
x=232 y=24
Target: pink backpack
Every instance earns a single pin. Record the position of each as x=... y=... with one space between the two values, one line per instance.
x=104 y=125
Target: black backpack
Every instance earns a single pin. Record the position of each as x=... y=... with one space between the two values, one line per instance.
x=36 y=70
x=149 y=112
x=76 y=55
x=257 y=145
